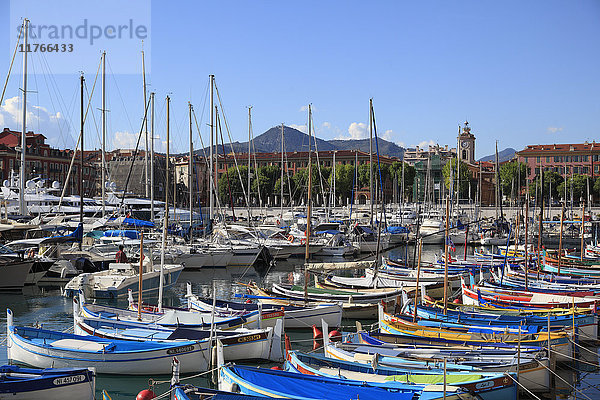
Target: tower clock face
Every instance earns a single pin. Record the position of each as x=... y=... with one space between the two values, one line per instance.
x=464 y=145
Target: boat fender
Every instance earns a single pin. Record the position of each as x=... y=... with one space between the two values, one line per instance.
x=457 y=301
x=335 y=335
x=428 y=298
x=290 y=238
x=145 y=395
x=276 y=368
x=302 y=242
x=317 y=334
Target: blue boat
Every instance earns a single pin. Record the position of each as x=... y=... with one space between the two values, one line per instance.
x=488 y=386
x=274 y=383
x=21 y=383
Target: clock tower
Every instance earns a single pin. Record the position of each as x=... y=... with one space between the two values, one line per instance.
x=466 y=144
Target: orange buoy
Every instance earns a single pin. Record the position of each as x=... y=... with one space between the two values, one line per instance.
x=145 y=395
x=335 y=335
x=317 y=334
x=457 y=301
x=276 y=368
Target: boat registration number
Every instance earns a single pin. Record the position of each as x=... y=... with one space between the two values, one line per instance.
x=179 y=350
x=67 y=380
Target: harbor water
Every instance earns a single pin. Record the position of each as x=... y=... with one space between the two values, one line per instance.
x=46 y=307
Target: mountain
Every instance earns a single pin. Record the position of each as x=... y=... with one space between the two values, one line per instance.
x=504 y=155
x=386 y=148
x=295 y=140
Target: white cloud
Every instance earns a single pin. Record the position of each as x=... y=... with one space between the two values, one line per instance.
x=387 y=135
x=425 y=144
x=326 y=125
x=124 y=140
x=303 y=109
x=301 y=128
x=52 y=125
x=554 y=129
x=356 y=130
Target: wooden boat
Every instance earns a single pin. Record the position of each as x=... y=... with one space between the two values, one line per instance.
x=328 y=295
x=521 y=299
x=350 y=309
x=20 y=383
x=533 y=370
x=294 y=316
x=488 y=386
x=240 y=344
x=170 y=317
x=586 y=324
x=559 y=341
x=45 y=349
x=272 y=383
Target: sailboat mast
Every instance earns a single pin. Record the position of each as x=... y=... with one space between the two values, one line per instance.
x=308 y=203
x=371 y=157
x=22 y=205
x=152 y=158
x=282 y=167
x=212 y=184
x=166 y=218
x=333 y=195
x=147 y=189
x=81 y=80
x=104 y=134
x=191 y=172
x=249 y=156
x=499 y=188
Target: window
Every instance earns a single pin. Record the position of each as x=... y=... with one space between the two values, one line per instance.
x=556 y=159
x=575 y=158
x=464 y=155
x=584 y=158
x=548 y=159
x=584 y=170
x=538 y=158
x=575 y=170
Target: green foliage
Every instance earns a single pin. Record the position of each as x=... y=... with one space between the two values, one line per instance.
x=509 y=175
x=551 y=180
x=264 y=180
x=344 y=178
x=231 y=180
x=449 y=171
x=578 y=183
x=596 y=187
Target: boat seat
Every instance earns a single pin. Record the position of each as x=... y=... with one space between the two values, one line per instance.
x=85 y=345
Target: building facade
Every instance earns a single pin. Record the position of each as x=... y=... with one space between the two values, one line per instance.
x=43 y=161
x=564 y=159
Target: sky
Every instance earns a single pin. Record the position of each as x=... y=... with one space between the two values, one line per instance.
x=520 y=72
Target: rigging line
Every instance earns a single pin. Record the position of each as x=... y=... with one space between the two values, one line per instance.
x=135 y=154
x=120 y=96
x=226 y=169
x=321 y=183
x=79 y=138
x=211 y=181
x=93 y=116
x=256 y=169
x=54 y=107
x=232 y=150
x=11 y=64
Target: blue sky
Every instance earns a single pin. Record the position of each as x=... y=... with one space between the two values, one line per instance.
x=520 y=72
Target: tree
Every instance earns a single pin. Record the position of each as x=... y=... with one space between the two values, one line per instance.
x=449 y=170
x=344 y=178
x=264 y=181
x=551 y=180
x=578 y=184
x=231 y=181
x=509 y=177
x=409 y=176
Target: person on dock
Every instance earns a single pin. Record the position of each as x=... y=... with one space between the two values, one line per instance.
x=121 y=256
